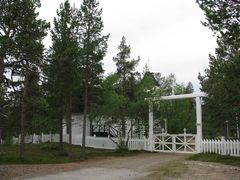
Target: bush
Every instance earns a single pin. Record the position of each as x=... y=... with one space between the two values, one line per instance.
x=122 y=147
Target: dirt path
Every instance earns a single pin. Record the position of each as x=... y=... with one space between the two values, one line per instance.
x=214 y=171
x=113 y=168
x=120 y=168
x=196 y=170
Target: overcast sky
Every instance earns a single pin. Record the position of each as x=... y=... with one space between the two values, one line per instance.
x=167 y=33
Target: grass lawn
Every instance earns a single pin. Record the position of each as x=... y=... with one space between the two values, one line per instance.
x=229 y=160
x=50 y=153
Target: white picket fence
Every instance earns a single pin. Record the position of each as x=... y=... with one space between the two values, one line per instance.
x=107 y=143
x=91 y=141
x=37 y=138
x=223 y=147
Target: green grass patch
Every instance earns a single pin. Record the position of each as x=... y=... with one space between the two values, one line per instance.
x=51 y=153
x=210 y=157
x=172 y=169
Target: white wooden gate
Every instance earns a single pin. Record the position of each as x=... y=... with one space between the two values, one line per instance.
x=182 y=143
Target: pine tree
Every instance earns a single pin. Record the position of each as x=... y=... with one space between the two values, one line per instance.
x=143 y=90
x=127 y=76
x=9 y=12
x=27 y=53
x=62 y=71
x=222 y=103
x=93 y=48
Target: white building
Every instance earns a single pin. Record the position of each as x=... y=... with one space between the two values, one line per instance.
x=77 y=125
x=98 y=129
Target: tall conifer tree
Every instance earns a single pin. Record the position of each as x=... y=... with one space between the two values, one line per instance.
x=63 y=66
x=93 y=48
x=221 y=81
x=127 y=76
x=26 y=51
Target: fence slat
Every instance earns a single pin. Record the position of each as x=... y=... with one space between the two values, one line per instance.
x=223 y=147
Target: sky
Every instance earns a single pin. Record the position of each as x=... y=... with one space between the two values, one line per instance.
x=168 y=35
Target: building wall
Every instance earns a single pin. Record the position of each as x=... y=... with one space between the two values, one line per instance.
x=77 y=125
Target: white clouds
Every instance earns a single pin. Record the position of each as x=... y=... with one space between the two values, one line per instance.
x=169 y=33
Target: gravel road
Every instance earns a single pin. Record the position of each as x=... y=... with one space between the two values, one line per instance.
x=119 y=168
x=111 y=168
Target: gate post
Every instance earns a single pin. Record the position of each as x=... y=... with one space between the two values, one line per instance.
x=199 y=124
x=150 y=131
x=174 y=143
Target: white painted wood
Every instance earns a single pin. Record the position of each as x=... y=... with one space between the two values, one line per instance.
x=234 y=148
x=180 y=143
x=150 y=132
x=197 y=97
x=199 y=123
x=181 y=96
x=91 y=141
x=219 y=147
x=174 y=143
x=238 y=148
x=223 y=147
x=230 y=147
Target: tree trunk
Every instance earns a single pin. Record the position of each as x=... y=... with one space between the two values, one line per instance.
x=69 y=120
x=61 y=132
x=69 y=117
x=138 y=128
x=125 y=107
x=0 y=135
x=85 y=119
x=131 y=135
x=1 y=70
x=23 y=117
x=123 y=128
x=91 y=127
